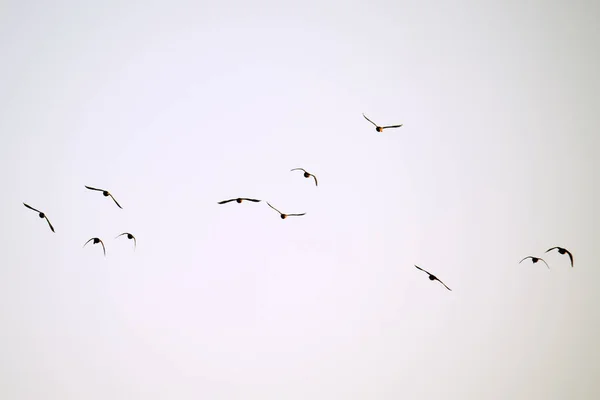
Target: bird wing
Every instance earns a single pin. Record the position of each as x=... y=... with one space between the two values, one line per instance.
x=274 y=208
x=392 y=126
x=103 y=248
x=48 y=221
x=443 y=284
x=31 y=208
x=552 y=249
x=115 y=200
x=570 y=256
x=369 y=120
x=134 y=242
x=298 y=169
x=422 y=269
x=88 y=241
x=124 y=233
x=225 y=201
x=545 y=263
x=254 y=200
x=316 y=183
x=525 y=259
x=91 y=188
x=295 y=215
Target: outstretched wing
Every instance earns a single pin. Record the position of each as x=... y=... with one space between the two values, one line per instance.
x=295 y=215
x=88 y=241
x=392 y=126
x=124 y=233
x=134 y=242
x=91 y=188
x=225 y=201
x=369 y=120
x=570 y=256
x=49 y=224
x=443 y=284
x=115 y=200
x=552 y=249
x=31 y=208
x=274 y=208
x=103 y=248
x=525 y=259
x=427 y=272
x=298 y=169
x=545 y=263
x=316 y=183
x=254 y=200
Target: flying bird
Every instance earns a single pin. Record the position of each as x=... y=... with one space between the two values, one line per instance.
x=534 y=260
x=381 y=128
x=306 y=174
x=284 y=216
x=129 y=236
x=96 y=241
x=106 y=193
x=433 y=277
x=41 y=215
x=239 y=200
x=563 y=251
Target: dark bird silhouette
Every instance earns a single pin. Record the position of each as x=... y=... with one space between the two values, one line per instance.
x=381 y=128
x=563 y=251
x=239 y=200
x=96 y=241
x=284 y=216
x=306 y=174
x=534 y=260
x=41 y=215
x=433 y=277
x=106 y=193
x=129 y=236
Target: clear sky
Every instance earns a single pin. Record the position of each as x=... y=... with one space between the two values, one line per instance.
x=175 y=105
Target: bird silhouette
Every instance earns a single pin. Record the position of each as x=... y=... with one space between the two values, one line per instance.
x=41 y=215
x=562 y=250
x=106 y=193
x=96 y=241
x=381 y=128
x=129 y=236
x=306 y=174
x=239 y=200
x=284 y=216
x=534 y=260
x=433 y=277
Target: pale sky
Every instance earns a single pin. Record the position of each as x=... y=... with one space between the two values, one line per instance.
x=175 y=105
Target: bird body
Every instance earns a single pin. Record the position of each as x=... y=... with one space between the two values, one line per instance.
x=106 y=193
x=129 y=236
x=284 y=216
x=433 y=277
x=41 y=215
x=307 y=174
x=535 y=260
x=381 y=128
x=96 y=241
x=239 y=200
x=562 y=250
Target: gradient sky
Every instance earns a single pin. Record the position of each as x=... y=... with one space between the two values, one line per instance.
x=176 y=105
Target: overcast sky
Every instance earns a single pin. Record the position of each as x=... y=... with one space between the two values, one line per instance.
x=175 y=105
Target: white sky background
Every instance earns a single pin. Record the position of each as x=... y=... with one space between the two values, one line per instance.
x=173 y=106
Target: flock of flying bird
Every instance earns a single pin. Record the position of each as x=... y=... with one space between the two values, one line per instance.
x=306 y=174
x=94 y=240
